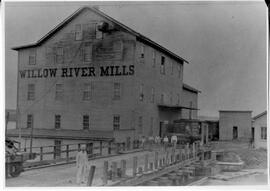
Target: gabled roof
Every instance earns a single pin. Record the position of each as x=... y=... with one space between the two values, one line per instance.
x=127 y=29
x=260 y=115
x=191 y=89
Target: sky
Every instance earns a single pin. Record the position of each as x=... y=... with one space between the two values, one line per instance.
x=224 y=42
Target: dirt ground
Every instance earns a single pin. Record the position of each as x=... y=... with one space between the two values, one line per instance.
x=253 y=158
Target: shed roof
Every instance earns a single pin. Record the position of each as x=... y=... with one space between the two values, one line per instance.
x=191 y=89
x=139 y=36
x=260 y=115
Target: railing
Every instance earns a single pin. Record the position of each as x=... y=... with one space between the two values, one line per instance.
x=67 y=152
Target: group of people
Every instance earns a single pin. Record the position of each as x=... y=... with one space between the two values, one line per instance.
x=157 y=140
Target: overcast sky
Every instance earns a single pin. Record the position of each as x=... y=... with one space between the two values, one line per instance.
x=225 y=44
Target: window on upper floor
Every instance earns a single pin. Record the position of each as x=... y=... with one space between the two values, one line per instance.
x=172 y=67
x=154 y=58
x=142 y=51
x=162 y=65
x=263 y=133
x=59 y=91
x=59 y=55
x=87 y=53
x=153 y=95
x=151 y=126
x=171 y=98
x=87 y=91
x=116 y=91
x=178 y=99
x=30 y=121
x=78 y=32
x=116 y=122
x=31 y=92
x=162 y=98
x=140 y=125
x=141 y=95
x=57 y=121
x=32 y=57
x=86 y=121
x=179 y=71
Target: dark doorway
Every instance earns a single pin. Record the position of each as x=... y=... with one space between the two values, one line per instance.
x=161 y=129
x=235 y=132
x=89 y=148
x=252 y=133
x=128 y=143
x=57 y=149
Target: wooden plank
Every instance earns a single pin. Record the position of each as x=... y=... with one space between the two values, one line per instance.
x=105 y=172
x=91 y=175
x=146 y=177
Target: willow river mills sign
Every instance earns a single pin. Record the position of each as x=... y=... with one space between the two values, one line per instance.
x=78 y=72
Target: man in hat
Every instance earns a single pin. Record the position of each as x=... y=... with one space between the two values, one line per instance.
x=81 y=164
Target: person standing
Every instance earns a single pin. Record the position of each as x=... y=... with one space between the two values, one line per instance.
x=165 y=142
x=143 y=142
x=174 y=140
x=81 y=165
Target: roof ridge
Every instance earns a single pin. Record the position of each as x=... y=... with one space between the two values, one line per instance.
x=97 y=11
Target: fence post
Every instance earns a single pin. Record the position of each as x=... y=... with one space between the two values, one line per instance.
x=54 y=152
x=123 y=168
x=135 y=166
x=194 y=150
x=41 y=154
x=110 y=147
x=67 y=153
x=146 y=163
x=156 y=160
x=114 y=171
x=105 y=173
x=91 y=175
x=100 y=147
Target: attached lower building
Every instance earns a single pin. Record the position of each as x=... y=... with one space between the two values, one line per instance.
x=259 y=130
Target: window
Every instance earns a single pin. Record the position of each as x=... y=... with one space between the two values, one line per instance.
x=32 y=57
x=57 y=121
x=171 y=98
x=172 y=67
x=154 y=58
x=151 y=126
x=59 y=91
x=142 y=51
x=87 y=92
x=141 y=92
x=140 y=124
x=116 y=122
x=116 y=91
x=263 y=133
x=153 y=95
x=162 y=98
x=30 y=120
x=99 y=34
x=162 y=66
x=179 y=71
x=59 y=55
x=31 y=92
x=78 y=32
x=87 y=54
x=86 y=122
